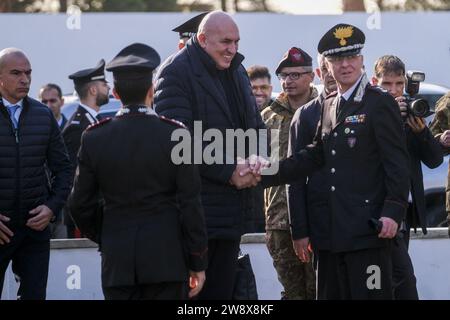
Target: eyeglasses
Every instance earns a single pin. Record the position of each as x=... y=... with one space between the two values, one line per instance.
x=339 y=59
x=292 y=75
x=49 y=100
x=263 y=87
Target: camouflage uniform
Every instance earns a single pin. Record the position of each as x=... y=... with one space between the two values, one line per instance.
x=297 y=278
x=441 y=123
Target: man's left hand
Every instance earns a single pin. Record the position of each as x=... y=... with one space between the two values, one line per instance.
x=43 y=216
x=416 y=124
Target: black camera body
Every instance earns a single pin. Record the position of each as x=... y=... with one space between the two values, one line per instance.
x=416 y=107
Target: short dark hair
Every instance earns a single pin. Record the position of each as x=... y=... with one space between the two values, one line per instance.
x=82 y=89
x=389 y=64
x=132 y=91
x=258 y=72
x=50 y=86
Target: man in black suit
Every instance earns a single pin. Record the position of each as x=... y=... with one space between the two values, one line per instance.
x=93 y=91
x=153 y=235
x=51 y=95
x=390 y=74
x=360 y=141
x=308 y=197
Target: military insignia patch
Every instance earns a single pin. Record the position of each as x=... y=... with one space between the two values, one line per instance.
x=359 y=118
x=351 y=142
x=342 y=33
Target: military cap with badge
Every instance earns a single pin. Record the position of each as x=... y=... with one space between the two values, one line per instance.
x=294 y=57
x=342 y=40
x=91 y=74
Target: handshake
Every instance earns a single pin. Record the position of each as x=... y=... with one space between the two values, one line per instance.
x=248 y=172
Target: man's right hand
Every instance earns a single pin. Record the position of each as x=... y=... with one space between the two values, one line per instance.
x=244 y=181
x=196 y=282
x=5 y=232
x=402 y=105
x=302 y=249
x=445 y=139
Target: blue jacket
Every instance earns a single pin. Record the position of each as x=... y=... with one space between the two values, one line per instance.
x=24 y=157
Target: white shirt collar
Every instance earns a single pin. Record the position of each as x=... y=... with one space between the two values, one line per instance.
x=6 y=103
x=347 y=94
x=91 y=111
x=60 y=121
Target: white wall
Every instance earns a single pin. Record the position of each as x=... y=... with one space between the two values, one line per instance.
x=422 y=40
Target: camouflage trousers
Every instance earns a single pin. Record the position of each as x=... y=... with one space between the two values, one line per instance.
x=297 y=278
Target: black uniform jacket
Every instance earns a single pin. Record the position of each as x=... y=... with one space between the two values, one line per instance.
x=308 y=197
x=364 y=152
x=153 y=228
x=73 y=130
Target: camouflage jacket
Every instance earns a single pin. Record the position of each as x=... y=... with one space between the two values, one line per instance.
x=278 y=116
x=441 y=123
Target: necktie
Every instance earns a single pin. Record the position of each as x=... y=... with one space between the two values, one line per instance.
x=340 y=105
x=12 y=111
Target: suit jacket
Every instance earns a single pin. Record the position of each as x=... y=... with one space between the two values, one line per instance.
x=188 y=89
x=364 y=152
x=308 y=197
x=153 y=226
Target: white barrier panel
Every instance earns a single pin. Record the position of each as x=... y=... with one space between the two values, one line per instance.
x=75 y=268
x=57 y=50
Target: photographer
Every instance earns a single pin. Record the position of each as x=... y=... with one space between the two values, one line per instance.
x=422 y=147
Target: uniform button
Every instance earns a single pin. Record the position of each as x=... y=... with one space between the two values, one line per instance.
x=333 y=188
x=333 y=170
x=333 y=152
x=367 y=201
x=335 y=134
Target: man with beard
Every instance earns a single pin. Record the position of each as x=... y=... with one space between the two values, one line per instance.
x=93 y=91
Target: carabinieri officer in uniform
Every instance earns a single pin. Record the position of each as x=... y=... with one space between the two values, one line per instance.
x=152 y=232
x=361 y=143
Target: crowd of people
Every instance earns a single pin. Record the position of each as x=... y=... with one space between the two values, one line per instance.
x=337 y=213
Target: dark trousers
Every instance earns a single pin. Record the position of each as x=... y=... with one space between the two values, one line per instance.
x=30 y=259
x=221 y=272
x=363 y=274
x=157 y=291
x=404 y=280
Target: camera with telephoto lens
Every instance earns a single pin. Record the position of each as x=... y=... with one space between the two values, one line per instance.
x=416 y=107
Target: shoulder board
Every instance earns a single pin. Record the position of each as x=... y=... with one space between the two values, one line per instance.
x=90 y=118
x=99 y=124
x=332 y=94
x=172 y=121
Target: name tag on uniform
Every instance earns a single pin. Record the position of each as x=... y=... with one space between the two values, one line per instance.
x=359 y=118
